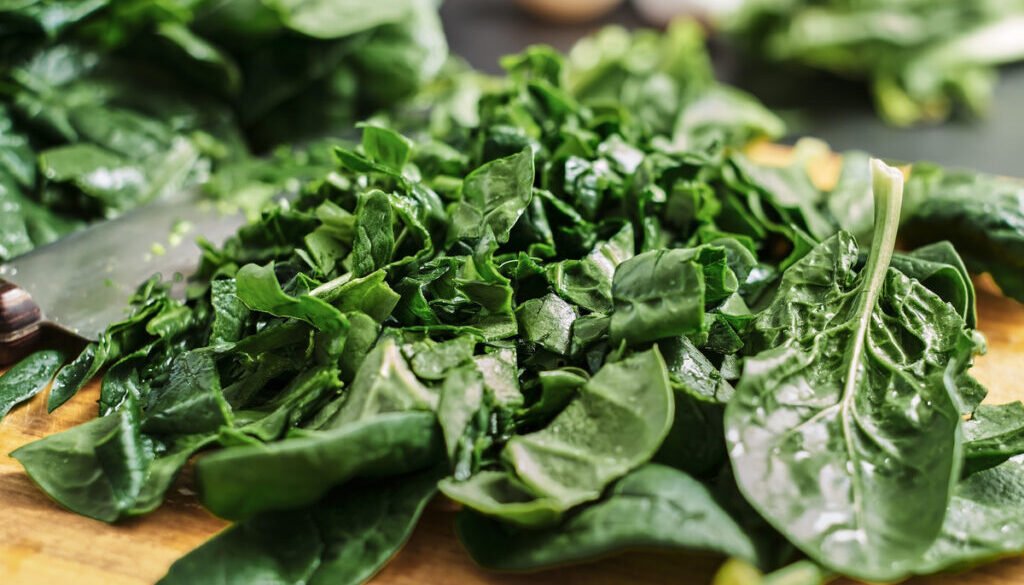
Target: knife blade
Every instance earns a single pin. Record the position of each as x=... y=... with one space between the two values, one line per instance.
x=83 y=282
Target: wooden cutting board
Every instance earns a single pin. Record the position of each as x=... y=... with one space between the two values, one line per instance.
x=43 y=544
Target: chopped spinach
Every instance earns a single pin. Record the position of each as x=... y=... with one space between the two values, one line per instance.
x=564 y=299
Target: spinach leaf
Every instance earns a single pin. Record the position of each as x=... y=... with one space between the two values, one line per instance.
x=363 y=527
x=374 y=241
x=462 y=397
x=576 y=456
x=993 y=435
x=983 y=521
x=191 y=402
x=78 y=483
x=658 y=294
x=344 y=538
x=274 y=547
x=588 y=282
x=500 y=494
x=120 y=339
x=258 y=288
x=384 y=383
x=982 y=215
x=230 y=312
x=106 y=468
x=938 y=267
x=696 y=442
x=432 y=360
x=27 y=378
x=652 y=507
x=385 y=146
x=547 y=322
x=494 y=196
x=935 y=63
x=240 y=482
x=854 y=406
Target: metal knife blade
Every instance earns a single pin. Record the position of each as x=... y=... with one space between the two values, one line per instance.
x=82 y=283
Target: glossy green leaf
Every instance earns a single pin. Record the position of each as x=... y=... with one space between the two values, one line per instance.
x=588 y=282
x=992 y=435
x=658 y=294
x=494 y=196
x=240 y=482
x=374 y=241
x=27 y=378
x=258 y=288
x=192 y=400
x=501 y=495
x=983 y=217
x=652 y=507
x=577 y=455
x=983 y=522
x=547 y=322
x=851 y=406
x=384 y=383
x=344 y=538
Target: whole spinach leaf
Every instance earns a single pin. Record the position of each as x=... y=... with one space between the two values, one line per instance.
x=854 y=406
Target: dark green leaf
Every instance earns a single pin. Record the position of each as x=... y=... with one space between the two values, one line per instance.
x=27 y=378
x=983 y=522
x=240 y=482
x=652 y=507
x=993 y=435
x=851 y=405
x=579 y=453
x=494 y=196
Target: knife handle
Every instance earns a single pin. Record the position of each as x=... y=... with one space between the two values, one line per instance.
x=20 y=322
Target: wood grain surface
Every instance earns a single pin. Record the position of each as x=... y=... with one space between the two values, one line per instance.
x=43 y=544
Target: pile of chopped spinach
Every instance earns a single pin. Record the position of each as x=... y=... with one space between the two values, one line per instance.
x=923 y=58
x=105 y=105
x=579 y=311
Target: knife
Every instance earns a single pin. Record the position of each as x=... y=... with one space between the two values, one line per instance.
x=83 y=282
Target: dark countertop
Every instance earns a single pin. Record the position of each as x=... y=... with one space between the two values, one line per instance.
x=837 y=111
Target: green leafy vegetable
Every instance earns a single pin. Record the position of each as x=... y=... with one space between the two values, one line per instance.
x=993 y=435
x=983 y=521
x=29 y=377
x=564 y=298
x=921 y=59
x=982 y=215
x=240 y=482
x=575 y=456
x=845 y=395
x=344 y=538
x=106 y=107
x=652 y=507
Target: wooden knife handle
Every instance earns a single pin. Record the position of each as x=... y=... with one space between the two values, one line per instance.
x=20 y=322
